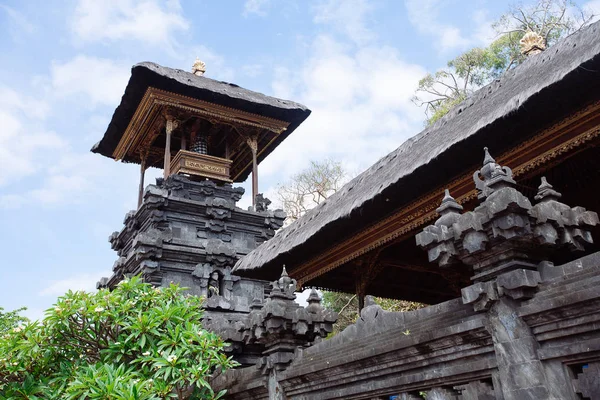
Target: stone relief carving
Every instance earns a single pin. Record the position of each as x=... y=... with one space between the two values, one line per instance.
x=505 y=237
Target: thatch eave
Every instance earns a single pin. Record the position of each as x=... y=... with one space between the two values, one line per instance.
x=543 y=89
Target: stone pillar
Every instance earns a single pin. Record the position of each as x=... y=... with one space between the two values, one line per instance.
x=504 y=240
x=520 y=369
x=276 y=392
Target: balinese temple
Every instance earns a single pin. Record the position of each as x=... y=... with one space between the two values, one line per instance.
x=194 y=126
x=489 y=216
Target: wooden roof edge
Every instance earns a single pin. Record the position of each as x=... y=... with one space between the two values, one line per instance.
x=576 y=57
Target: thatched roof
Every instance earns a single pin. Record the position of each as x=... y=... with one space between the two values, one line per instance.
x=544 y=88
x=147 y=74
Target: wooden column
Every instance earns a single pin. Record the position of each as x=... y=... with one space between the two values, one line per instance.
x=142 y=173
x=169 y=128
x=253 y=144
x=365 y=272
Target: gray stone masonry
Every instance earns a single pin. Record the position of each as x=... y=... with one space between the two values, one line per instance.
x=524 y=329
x=192 y=233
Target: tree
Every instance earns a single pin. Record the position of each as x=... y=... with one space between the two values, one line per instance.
x=550 y=19
x=346 y=305
x=304 y=191
x=135 y=342
x=310 y=187
x=11 y=319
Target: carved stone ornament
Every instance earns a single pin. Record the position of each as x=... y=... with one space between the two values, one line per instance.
x=199 y=67
x=532 y=43
x=281 y=326
x=262 y=203
x=505 y=237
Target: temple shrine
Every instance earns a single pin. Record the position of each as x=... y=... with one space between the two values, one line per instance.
x=489 y=216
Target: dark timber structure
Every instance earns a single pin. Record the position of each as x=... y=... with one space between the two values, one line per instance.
x=505 y=256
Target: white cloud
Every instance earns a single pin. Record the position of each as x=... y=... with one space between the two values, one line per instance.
x=86 y=282
x=216 y=67
x=101 y=81
x=425 y=16
x=19 y=23
x=360 y=101
x=252 y=70
x=11 y=100
x=256 y=7
x=149 y=21
x=348 y=17
x=59 y=174
x=592 y=7
x=23 y=142
x=70 y=178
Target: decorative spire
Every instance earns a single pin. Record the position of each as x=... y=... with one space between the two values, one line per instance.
x=532 y=43
x=449 y=210
x=449 y=204
x=487 y=158
x=313 y=297
x=489 y=165
x=546 y=192
x=284 y=287
x=199 y=68
x=491 y=176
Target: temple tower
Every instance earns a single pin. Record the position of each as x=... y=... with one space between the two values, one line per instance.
x=205 y=135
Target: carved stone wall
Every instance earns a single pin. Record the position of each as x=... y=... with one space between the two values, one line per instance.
x=524 y=329
x=192 y=233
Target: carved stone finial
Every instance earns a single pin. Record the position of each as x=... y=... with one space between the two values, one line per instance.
x=491 y=176
x=546 y=191
x=262 y=203
x=487 y=158
x=532 y=43
x=449 y=210
x=199 y=67
x=313 y=297
x=284 y=287
x=448 y=204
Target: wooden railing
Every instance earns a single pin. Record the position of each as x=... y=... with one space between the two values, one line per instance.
x=191 y=163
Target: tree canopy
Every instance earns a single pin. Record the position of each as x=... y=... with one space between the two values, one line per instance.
x=136 y=342
x=11 y=319
x=310 y=187
x=552 y=20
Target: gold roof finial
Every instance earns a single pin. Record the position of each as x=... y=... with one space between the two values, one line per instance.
x=532 y=43
x=199 y=68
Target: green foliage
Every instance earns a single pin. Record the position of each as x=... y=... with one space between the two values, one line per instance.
x=346 y=305
x=551 y=19
x=136 y=342
x=11 y=319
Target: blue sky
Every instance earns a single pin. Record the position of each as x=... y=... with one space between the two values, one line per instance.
x=64 y=66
